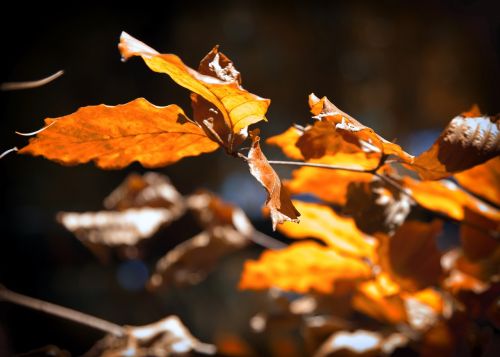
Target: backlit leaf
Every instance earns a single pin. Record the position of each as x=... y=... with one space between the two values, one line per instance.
x=278 y=199
x=339 y=233
x=483 y=180
x=466 y=141
x=302 y=267
x=114 y=137
x=219 y=85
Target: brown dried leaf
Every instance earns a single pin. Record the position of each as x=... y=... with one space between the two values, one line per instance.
x=278 y=199
x=167 y=337
x=466 y=142
x=114 y=137
x=376 y=206
x=483 y=180
x=112 y=228
x=353 y=131
x=148 y=190
x=361 y=343
x=411 y=256
x=192 y=260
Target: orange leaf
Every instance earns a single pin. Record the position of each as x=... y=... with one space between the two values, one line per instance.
x=353 y=131
x=483 y=180
x=302 y=267
x=219 y=86
x=411 y=256
x=278 y=199
x=286 y=141
x=339 y=233
x=448 y=199
x=114 y=137
x=466 y=141
x=329 y=185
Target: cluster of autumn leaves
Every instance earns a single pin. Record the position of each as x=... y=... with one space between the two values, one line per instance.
x=366 y=259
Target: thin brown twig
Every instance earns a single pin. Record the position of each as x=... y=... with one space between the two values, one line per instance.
x=266 y=241
x=322 y=166
x=30 y=84
x=60 y=311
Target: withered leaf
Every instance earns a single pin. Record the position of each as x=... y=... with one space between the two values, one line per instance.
x=483 y=180
x=411 y=256
x=278 y=199
x=302 y=267
x=219 y=85
x=353 y=131
x=339 y=233
x=138 y=207
x=113 y=228
x=167 y=337
x=192 y=260
x=376 y=206
x=114 y=137
x=149 y=190
x=466 y=141
x=226 y=231
x=361 y=343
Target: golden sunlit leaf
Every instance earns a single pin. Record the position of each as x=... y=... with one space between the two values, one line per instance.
x=278 y=199
x=286 y=141
x=483 y=180
x=448 y=199
x=167 y=337
x=114 y=137
x=411 y=256
x=465 y=142
x=376 y=206
x=219 y=85
x=339 y=233
x=328 y=185
x=302 y=267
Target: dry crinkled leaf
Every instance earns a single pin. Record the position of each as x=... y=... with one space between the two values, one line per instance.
x=219 y=85
x=411 y=256
x=278 y=199
x=339 y=233
x=302 y=267
x=361 y=343
x=114 y=137
x=112 y=228
x=376 y=206
x=190 y=262
x=483 y=180
x=465 y=142
x=143 y=204
x=167 y=337
x=328 y=185
x=353 y=131
x=148 y=190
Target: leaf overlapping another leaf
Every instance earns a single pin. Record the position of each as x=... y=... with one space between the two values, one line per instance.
x=218 y=83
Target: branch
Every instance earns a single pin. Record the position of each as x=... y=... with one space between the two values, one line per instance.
x=31 y=84
x=323 y=166
x=266 y=241
x=60 y=311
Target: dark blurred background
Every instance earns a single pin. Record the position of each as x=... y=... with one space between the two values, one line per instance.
x=403 y=68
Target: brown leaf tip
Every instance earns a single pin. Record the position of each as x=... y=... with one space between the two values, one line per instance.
x=130 y=46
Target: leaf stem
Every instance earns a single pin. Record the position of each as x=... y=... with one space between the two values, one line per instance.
x=60 y=311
